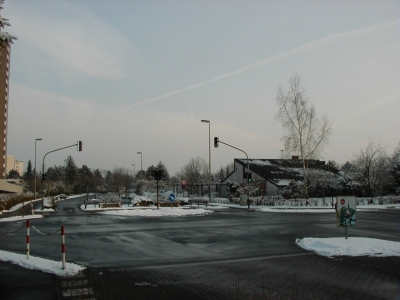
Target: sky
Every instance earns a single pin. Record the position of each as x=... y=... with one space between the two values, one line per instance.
x=139 y=76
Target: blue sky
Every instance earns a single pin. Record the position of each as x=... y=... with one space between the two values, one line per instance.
x=129 y=76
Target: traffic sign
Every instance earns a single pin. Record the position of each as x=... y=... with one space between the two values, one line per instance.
x=346 y=211
x=171 y=197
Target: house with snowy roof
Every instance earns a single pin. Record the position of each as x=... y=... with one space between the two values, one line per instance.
x=272 y=175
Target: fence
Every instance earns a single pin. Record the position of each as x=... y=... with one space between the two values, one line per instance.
x=200 y=189
x=28 y=226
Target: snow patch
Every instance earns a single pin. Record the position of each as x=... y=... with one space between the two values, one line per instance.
x=352 y=246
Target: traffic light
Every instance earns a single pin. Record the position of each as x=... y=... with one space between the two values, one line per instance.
x=79 y=146
x=157 y=173
x=249 y=177
x=216 y=142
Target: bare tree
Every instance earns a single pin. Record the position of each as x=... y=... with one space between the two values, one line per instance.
x=195 y=170
x=372 y=168
x=117 y=179
x=128 y=180
x=306 y=134
x=395 y=171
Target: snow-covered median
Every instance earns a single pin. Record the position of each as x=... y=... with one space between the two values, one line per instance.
x=20 y=218
x=37 y=263
x=352 y=246
x=154 y=212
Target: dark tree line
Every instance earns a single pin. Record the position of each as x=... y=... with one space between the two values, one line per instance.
x=69 y=178
x=371 y=173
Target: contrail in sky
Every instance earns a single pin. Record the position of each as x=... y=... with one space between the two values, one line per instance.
x=296 y=51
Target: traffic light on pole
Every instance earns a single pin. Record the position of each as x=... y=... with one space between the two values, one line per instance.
x=157 y=174
x=216 y=142
x=79 y=146
x=249 y=177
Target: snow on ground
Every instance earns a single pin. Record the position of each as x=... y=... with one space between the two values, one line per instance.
x=154 y=212
x=19 y=218
x=321 y=209
x=352 y=246
x=47 y=202
x=37 y=263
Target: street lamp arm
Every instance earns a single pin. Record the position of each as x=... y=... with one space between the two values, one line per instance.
x=43 y=166
x=59 y=149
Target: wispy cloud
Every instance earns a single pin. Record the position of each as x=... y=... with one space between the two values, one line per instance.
x=391 y=97
x=83 y=42
x=296 y=51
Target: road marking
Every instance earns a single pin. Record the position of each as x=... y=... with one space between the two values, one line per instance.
x=78 y=286
x=223 y=261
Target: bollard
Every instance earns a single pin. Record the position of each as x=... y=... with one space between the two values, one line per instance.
x=63 y=246
x=28 y=225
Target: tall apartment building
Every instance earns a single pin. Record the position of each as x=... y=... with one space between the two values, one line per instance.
x=6 y=40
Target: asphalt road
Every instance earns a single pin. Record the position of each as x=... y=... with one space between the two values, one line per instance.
x=97 y=240
x=228 y=254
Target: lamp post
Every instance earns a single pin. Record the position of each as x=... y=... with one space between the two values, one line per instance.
x=141 y=161
x=141 y=170
x=35 y=164
x=209 y=157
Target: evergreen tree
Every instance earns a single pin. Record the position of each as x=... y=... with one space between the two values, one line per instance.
x=109 y=180
x=97 y=179
x=13 y=174
x=28 y=174
x=292 y=190
x=70 y=171
x=53 y=174
x=85 y=181
x=149 y=172
x=163 y=168
x=221 y=174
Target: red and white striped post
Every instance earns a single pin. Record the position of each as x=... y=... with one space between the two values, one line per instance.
x=28 y=239
x=63 y=246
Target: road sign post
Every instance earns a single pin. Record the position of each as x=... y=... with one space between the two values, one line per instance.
x=171 y=198
x=183 y=186
x=346 y=212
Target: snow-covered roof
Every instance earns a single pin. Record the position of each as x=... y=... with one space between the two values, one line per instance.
x=281 y=171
